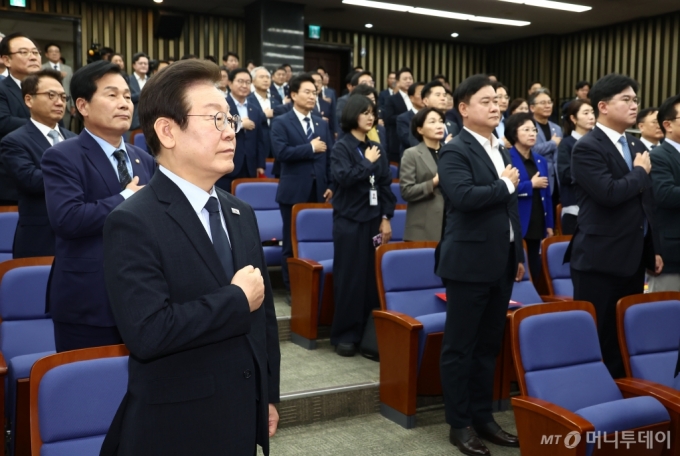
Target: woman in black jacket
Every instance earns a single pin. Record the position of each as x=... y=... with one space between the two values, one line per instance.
x=363 y=205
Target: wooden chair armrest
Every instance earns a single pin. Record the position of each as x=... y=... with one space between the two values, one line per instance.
x=305 y=282
x=631 y=387
x=3 y=365
x=399 y=318
x=304 y=263
x=556 y=298
x=554 y=412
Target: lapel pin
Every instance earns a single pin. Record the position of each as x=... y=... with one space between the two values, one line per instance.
x=632 y=144
x=136 y=160
x=235 y=211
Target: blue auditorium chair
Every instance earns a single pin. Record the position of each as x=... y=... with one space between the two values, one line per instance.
x=394 y=186
x=269 y=168
x=26 y=334
x=140 y=142
x=566 y=389
x=311 y=271
x=394 y=169
x=398 y=223
x=557 y=275
x=409 y=327
x=74 y=397
x=649 y=331
x=8 y=226
x=261 y=195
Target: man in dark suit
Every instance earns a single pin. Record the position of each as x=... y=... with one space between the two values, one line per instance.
x=191 y=295
x=21 y=153
x=433 y=94
x=480 y=255
x=301 y=143
x=327 y=93
x=251 y=152
x=397 y=104
x=614 y=239
x=279 y=86
x=137 y=81
x=262 y=96
x=404 y=119
x=21 y=57
x=389 y=91
x=85 y=179
x=323 y=107
x=357 y=78
x=665 y=176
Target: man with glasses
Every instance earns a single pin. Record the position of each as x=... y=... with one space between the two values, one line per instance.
x=53 y=54
x=21 y=57
x=301 y=143
x=21 y=152
x=615 y=240
x=651 y=134
x=85 y=179
x=549 y=133
x=251 y=151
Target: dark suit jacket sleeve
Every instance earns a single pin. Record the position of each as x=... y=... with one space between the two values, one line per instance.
x=262 y=136
x=152 y=325
x=280 y=144
x=330 y=182
x=385 y=195
x=457 y=182
x=8 y=122
x=564 y=163
x=404 y=130
x=389 y=116
x=71 y=216
x=591 y=172
x=666 y=190
x=346 y=173
x=135 y=91
x=21 y=167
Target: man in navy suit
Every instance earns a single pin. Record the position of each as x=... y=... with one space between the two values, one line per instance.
x=21 y=56
x=327 y=93
x=263 y=97
x=397 y=104
x=136 y=81
x=323 y=107
x=21 y=153
x=404 y=119
x=279 y=86
x=301 y=143
x=389 y=91
x=85 y=179
x=433 y=95
x=251 y=152
x=615 y=240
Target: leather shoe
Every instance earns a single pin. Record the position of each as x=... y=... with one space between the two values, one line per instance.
x=467 y=442
x=346 y=349
x=493 y=433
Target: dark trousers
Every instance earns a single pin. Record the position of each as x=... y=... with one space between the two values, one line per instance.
x=534 y=258
x=225 y=181
x=71 y=336
x=604 y=291
x=568 y=224
x=473 y=334
x=287 y=241
x=355 y=292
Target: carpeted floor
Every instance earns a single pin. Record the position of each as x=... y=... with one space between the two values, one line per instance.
x=373 y=435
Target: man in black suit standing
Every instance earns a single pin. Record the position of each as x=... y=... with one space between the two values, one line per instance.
x=665 y=175
x=21 y=56
x=397 y=104
x=482 y=223
x=389 y=91
x=191 y=295
x=614 y=239
x=21 y=153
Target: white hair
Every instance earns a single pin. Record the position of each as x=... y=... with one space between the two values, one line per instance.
x=254 y=71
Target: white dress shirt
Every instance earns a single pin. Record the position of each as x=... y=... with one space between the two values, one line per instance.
x=648 y=144
x=55 y=66
x=141 y=81
x=108 y=151
x=490 y=145
x=407 y=100
x=614 y=136
x=197 y=198
x=15 y=80
x=241 y=108
x=44 y=129
x=301 y=118
x=265 y=103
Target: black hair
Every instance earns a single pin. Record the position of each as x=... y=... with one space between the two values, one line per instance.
x=516 y=103
x=248 y=62
x=210 y=58
x=582 y=84
x=572 y=109
x=138 y=56
x=29 y=86
x=667 y=111
x=224 y=68
x=285 y=65
x=358 y=68
x=429 y=86
x=609 y=86
x=349 y=120
x=392 y=72
x=237 y=71
x=4 y=44
x=188 y=57
x=644 y=113
x=321 y=68
x=230 y=54
x=404 y=70
x=441 y=76
x=350 y=75
x=513 y=123
x=534 y=82
x=50 y=45
x=84 y=81
x=364 y=90
x=419 y=120
x=357 y=75
x=498 y=85
x=468 y=88
x=297 y=81
x=412 y=88
x=535 y=94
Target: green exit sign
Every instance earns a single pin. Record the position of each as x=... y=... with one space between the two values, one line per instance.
x=314 y=32
x=19 y=3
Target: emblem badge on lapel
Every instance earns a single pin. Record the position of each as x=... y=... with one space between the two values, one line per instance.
x=235 y=211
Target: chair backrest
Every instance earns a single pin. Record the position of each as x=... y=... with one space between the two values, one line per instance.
x=25 y=327
x=406 y=279
x=394 y=169
x=269 y=168
x=261 y=195
x=312 y=231
x=140 y=141
x=557 y=355
x=649 y=336
x=73 y=399
x=394 y=186
x=524 y=291
x=398 y=224
x=8 y=226
x=557 y=275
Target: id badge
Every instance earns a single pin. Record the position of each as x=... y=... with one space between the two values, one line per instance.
x=373 y=197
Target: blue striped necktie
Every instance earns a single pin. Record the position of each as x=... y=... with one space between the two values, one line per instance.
x=626 y=152
x=309 y=131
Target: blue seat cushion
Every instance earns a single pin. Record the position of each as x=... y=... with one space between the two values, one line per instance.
x=623 y=415
x=398 y=224
x=88 y=446
x=432 y=323
x=416 y=302
x=563 y=287
x=316 y=251
x=23 y=291
x=25 y=337
x=272 y=255
x=652 y=327
x=17 y=368
x=656 y=367
x=270 y=225
x=411 y=269
x=525 y=293
x=260 y=195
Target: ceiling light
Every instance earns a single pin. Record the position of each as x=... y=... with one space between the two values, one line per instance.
x=369 y=25
x=158 y=1
x=455 y=35
x=554 y=5
x=435 y=13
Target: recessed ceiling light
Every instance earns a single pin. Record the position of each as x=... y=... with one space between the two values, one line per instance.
x=455 y=35
x=158 y=1
x=369 y=25
x=434 y=12
x=554 y=5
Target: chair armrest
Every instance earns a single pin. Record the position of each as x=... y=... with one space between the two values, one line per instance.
x=304 y=263
x=3 y=365
x=559 y=415
x=632 y=387
x=556 y=298
x=399 y=318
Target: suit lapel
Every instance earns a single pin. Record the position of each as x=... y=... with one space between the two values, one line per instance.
x=426 y=157
x=15 y=91
x=137 y=168
x=100 y=161
x=297 y=126
x=38 y=138
x=479 y=150
x=233 y=221
x=612 y=149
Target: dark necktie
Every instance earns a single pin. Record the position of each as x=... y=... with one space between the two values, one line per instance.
x=309 y=131
x=56 y=67
x=123 y=174
x=219 y=237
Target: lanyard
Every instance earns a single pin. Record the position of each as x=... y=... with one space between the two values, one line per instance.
x=372 y=178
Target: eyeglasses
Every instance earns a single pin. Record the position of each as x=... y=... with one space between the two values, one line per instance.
x=52 y=95
x=25 y=52
x=222 y=119
x=630 y=100
x=503 y=97
x=544 y=103
x=309 y=92
x=242 y=81
x=528 y=130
